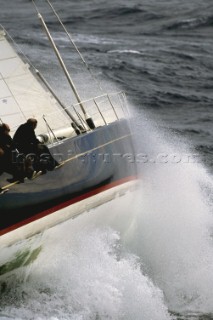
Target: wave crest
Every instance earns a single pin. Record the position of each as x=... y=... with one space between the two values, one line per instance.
x=193 y=23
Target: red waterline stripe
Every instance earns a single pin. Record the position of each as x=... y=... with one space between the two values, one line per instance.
x=67 y=203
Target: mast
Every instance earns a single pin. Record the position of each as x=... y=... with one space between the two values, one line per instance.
x=88 y=119
x=62 y=63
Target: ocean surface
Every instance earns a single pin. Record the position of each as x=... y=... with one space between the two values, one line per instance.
x=147 y=255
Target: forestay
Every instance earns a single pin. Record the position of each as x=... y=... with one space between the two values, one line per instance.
x=22 y=96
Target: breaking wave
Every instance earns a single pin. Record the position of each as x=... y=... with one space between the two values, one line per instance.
x=83 y=273
x=192 y=23
x=172 y=223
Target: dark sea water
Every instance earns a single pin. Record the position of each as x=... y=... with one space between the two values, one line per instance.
x=160 y=53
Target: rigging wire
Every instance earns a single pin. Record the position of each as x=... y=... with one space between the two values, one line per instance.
x=73 y=43
x=87 y=117
x=36 y=8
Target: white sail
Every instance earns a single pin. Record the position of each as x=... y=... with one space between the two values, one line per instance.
x=21 y=94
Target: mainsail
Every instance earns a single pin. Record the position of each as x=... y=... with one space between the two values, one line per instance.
x=22 y=96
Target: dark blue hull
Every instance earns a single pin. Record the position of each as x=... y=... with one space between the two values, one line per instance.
x=93 y=162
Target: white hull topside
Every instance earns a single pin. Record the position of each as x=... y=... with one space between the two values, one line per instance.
x=70 y=212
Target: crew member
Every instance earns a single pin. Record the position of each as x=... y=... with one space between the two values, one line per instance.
x=26 y=142
x=5 y=149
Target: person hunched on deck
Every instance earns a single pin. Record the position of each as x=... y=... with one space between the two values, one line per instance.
x=7 y=157
x=5 y=149
x=25 y=142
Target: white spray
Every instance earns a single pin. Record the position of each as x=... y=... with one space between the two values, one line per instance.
x=172 y=223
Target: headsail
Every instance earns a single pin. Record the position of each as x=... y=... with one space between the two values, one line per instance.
x=22 y=96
